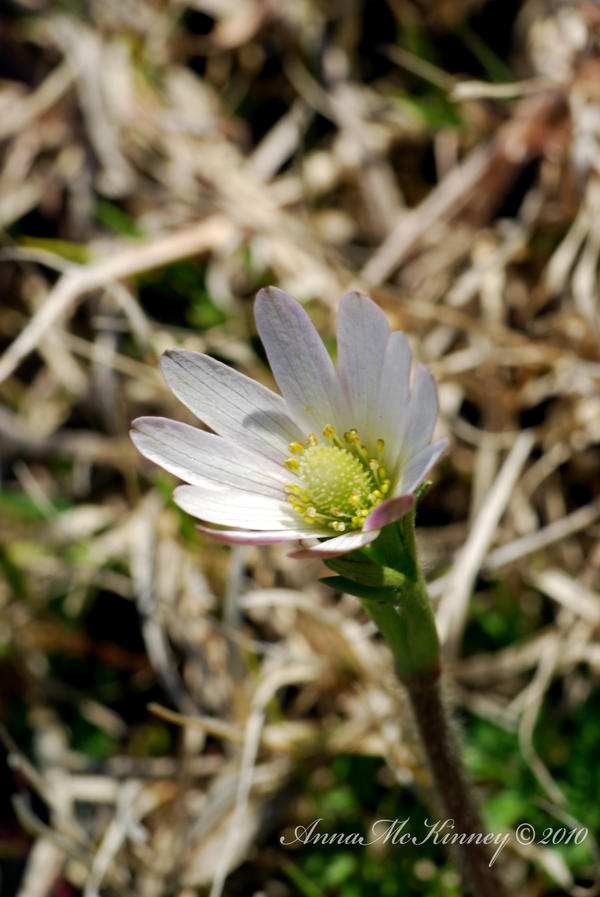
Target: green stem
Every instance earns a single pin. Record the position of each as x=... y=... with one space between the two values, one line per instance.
x=407 y=623
x=392 y=590
x=408 y=627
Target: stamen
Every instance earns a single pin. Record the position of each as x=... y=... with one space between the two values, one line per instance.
x=292 y=464
x=296 y=447
x=363 y=451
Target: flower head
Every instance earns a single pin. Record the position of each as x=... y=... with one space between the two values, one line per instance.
x=334 y=458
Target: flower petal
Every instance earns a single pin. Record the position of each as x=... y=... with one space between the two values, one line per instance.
x=389 y=510
x=339 y=545
x=229 y=402
x=422 y=412
x=253 y=537
x=300 y=362
x=419 y=466
x=203 y=459
x=362 y=336
x=242 y=510
x=394 y=397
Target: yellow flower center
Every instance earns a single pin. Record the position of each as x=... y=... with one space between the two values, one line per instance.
x=340 y=482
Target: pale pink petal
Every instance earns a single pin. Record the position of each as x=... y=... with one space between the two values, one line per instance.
x=422 y=412
x=338 y=545
x=362 y=336
x=230 y=403
x=203 y=459
x=419 y=466
x=239 y=510
x=394 y=396
x=300 y=362
x=389 y=510
x=253 y=537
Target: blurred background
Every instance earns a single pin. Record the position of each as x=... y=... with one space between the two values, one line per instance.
x=170 y=707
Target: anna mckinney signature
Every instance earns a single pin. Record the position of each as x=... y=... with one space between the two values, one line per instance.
x=393 y=831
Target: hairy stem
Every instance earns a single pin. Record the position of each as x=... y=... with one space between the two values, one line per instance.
x=451 y=785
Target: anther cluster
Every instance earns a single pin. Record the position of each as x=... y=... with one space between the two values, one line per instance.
x=340 y=482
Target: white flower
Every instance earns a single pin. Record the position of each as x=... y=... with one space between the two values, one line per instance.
x=337 y=456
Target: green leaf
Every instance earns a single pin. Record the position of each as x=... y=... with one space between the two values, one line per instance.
x=367 y=574
x=117 y=220
x=341 y=584
x=66 y=249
